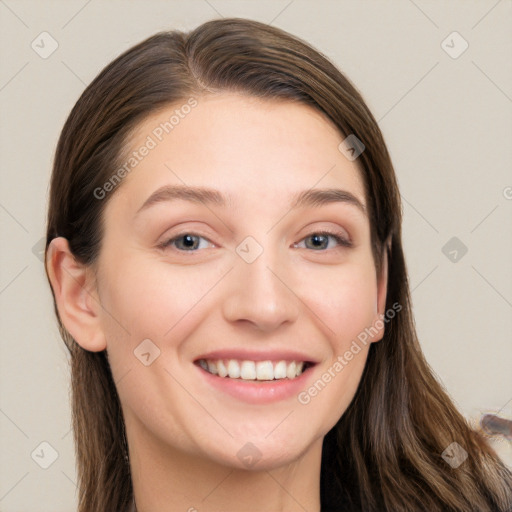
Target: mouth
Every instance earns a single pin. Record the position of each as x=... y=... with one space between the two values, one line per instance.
x=255 y=371
x=255 y=377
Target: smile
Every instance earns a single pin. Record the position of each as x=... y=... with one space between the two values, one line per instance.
x=254 y=370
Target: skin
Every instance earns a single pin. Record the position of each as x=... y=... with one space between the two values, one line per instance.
x=183 y=435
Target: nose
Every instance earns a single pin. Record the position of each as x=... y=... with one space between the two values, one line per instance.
x=261 y=294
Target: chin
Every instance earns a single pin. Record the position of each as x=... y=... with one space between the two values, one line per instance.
x=259 y=454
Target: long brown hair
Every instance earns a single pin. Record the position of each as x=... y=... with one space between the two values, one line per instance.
x=385 y=452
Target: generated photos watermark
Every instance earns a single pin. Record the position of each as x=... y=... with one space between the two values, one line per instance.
x=305 y=397
x=157 y=135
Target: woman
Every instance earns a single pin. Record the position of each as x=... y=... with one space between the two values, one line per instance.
x=224 y=250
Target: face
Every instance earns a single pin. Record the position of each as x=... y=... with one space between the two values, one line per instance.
x=244 y=279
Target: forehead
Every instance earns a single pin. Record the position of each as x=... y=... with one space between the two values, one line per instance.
x=254 y=149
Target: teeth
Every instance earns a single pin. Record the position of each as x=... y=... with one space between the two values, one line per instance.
x=264 y=370
x=248 y=369
x=233 y=369
x=291 y=371
x=280 y=370
x=211 y=367
x=221 y=369
x=253 y=370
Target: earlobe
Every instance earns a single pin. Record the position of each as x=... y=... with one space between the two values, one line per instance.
x=75 y=293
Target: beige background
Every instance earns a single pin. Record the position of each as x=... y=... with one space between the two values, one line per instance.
x=447 y=122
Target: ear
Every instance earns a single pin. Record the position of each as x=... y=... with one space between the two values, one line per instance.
x=74 y=287
x=382 y=288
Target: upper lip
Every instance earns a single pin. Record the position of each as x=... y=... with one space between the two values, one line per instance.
x=257 y=355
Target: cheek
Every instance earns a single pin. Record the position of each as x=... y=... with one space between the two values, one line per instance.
x=149 y=299
x=345 y=300
x=156 y=301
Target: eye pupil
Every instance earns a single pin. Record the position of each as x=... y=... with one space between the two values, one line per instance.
x=318 y=240
x=187 y=241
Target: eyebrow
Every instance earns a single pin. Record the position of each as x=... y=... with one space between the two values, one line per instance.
x=209 y=196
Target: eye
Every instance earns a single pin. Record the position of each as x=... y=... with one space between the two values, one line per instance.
x=320 y=241
x=186 y=242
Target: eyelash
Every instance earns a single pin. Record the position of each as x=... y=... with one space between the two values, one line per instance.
x=338 y=237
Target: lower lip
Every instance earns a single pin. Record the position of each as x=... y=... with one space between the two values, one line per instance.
x=258 y=392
